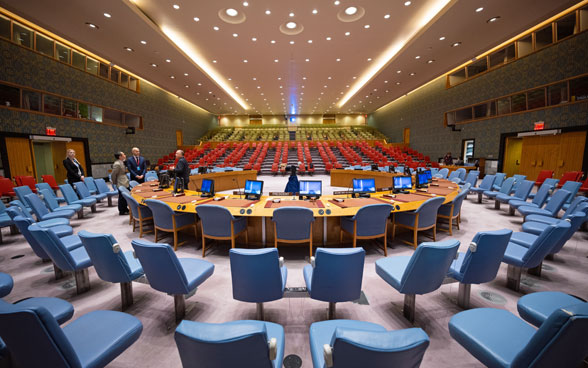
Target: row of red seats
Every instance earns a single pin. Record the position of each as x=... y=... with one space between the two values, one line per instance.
x=258 y=156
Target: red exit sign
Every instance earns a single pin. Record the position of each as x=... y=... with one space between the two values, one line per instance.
x=50 y=131
x=540 y=125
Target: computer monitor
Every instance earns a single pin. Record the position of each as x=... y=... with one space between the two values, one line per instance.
x=310 y=188
x=253 y=189
x=364 y=186
x=429 y=175
x=402 y=183
x=421 y=179
x=207 y=188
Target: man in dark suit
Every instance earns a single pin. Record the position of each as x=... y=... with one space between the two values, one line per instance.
x=75 y=171
x=182 y=168
x=136 y=165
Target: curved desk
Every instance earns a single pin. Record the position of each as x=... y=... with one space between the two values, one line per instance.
x=223 y=180
x=260 y=212
x=344 y=178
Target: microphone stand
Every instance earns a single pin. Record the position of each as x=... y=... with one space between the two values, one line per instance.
x=238 y=187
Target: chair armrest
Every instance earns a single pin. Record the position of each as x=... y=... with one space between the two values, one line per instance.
x=313 y=261
x=116 y=248
x=473 y=247
x=281 y=260
x=328 y=355
x=135 y=255
x=273 y=348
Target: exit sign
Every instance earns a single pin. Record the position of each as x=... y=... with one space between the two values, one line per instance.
x=540 y=125
x=50 y=131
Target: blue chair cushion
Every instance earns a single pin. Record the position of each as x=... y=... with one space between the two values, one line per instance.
x=482 y=332
x=535 y=308
x=391 y=269
x=134 y=265
x=53 y=222
x=543 y=219
x=66 y=214
x=196 y=270
x=535 y=228
x=60 y=309
x=62 y=230
x=71 y=242
x=528 y=210
x=518 y=203
x=490 y=194
x=5 y=220
x=6 y=284
x=69 y=207
x=524 y=239
x=514 y=254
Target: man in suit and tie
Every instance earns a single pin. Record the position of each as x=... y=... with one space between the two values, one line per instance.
x=182 y=168
x=136 y=165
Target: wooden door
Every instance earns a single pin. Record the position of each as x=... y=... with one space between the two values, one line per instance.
x=20 y=157
x=571 y=153
x=328 y=120
x=512 y=156
x=43 y=159
x=59 y=150
x=406 y=136
x=179 y=138
x=80 y=153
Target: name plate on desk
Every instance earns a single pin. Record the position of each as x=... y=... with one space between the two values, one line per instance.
x=385 y=189
x=277 y=194
x=341 y=192
x=235 y=192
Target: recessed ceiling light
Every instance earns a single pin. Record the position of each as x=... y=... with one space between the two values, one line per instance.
x=329 y=78
x=291 y=15
x=273 y=41
x=291 y=42
x=196 y=19
x=347 y=33
x=176 y=6
x=407 y=3
x=128 y=49
x=187 y=86
x=479 y=10
x=430 y=61
x=276 y=60
x=214 y=61
x=413 y=73
x=245 y=60
x=493 y=19
x=337 y=2
x=215 y=28
x=186 y=74
x=254 y=78
x=235 y=35
x=351 y=10
x=456 y=44
x=354 y=77
x=309 y=41
x=253 y=39
x=397 y=83
x=314 y=11
x=172 y=77
x=154 y=65
x=338 y=59
x=268 y=12
x=303 y=78
x=168 y=60
x=144 y=42
x=107 y=15
x=387 y=16
x=92 y=25
x=245 y=3
x=385 y=81
x=328 y=38
x=369 y=59
x=258 y=87
x=441 y=38
x=307 y=60
x=417 y=57
x=279 y=78
x=291 y=25
x=366 y=26
x=199 y=84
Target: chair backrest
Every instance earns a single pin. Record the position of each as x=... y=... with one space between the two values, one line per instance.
x=428 y=211
x=484 y=256
x=123 y=189
x=90 y=183
x=487 y=182
x=22 y=192
x=524 y=189
x=2 y=207
x=133 y=183
x=442 y=173
x=472 y=177
x=68 y=193
x=542 y=194
x=108 y=259
x=551 y=181
x=6 y=186
x=378 y=349
x=101 y=186
x=133 y=204
x=161 y=266
x=518 y=180
x=50 y=180
x=43 y=185
x=499 y=179
x=543 y=244
x=458 y=200
x=428 y=266
x=372 y=219
x=507 y=185
x=557 y=201
x=151 y=175
x=82 y=189
x=567 y=176
x=28 y=181
x=24 y=327
x=543 y=174
x=231 y=344
x=559 y=342
x=454 y=174
x=23 y=223
x=572 y=187
x=572 y=208
x=18 y=209
x=53 y=246
x=576 y=220
x=256 y=275
x=37 y=205
x=337 y=274
x=293 y=223
x=216 y=220
x=462 y=173
x=162 y=213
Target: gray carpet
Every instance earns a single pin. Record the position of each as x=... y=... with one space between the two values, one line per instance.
x=213 y=301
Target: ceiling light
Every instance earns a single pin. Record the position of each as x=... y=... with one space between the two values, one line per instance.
x=328 y=38
x=273 y=41
x=387 y=16
x=479 y=10
x=307 y=60
x=187 y=86
x=314 y=11
x=493 y=19
x=291 y=42
x=168 y=60
x=245 y=60
x=196 y=19
x=366 y=26
x=407 y=3
x=337 y=2
x=338 y=59
x=253 y=39
x=369 y=59
x=291 y=15
x=154 y=65
x=144 y=42
x=128 y=49
x=354 y=77
x=268 y=12
x=347 y=33
x=258 y=87
x=417 y=57
x=92 y=25
x=309 y=41
x=351 y=10
x=214 y=61
x=215 y=28
x=176 y=6
x=329 y=78
x=303 y=78
x=430 y=61
x=291 y=25
x=235 y=35
x=245 y=3
x=186 y=74
x=231 y=12
x=279 y=78
x=107 y=15
x=385 y=81
x=441 y=38
x=254 y=78
x=275 y=60
x=456 y=44
x=199 y=84
x=413 y=73
x=172 y=77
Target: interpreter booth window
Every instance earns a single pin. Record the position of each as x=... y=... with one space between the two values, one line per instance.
x=4 y=27
x=22 y=35
x=9 y=96
x=83 y=111
x=62 y=53
x=96 y=113
x=52 y=105
x=31 y=100
x=44 y=45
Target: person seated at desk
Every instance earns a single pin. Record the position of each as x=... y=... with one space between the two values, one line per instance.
x=293 y=185
x=448 y=160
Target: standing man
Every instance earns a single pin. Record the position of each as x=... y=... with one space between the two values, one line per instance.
x=136 y=165
x=182 y=169
x=119 y=179
x=75 y=171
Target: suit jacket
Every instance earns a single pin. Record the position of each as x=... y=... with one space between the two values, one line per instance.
x=135 y=169
x=118 y=175
x=72 y=171
x=182 y=170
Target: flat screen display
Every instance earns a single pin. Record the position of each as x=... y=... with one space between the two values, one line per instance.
x=253 y=187
x=429 y=175
x=422 y=178
x=364 y=185
x=402 y=182
x=310 y=187
x=206 y=186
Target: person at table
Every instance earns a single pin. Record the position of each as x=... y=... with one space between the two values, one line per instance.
x=182 y=169
x=75 y=171
x=136 y=165
x=293 y=185
x=448 y=160
x=119 y=179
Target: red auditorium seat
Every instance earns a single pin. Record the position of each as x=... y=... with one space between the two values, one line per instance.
x=570 y=176
x=6 y=188
x=543 y=174
x=49 y=179
x=29 y=181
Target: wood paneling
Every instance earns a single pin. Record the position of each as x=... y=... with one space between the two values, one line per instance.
x=59 y=149
x=512 y=155
x=20 y=158
x=223 y=180
x=406 y=136
x=179 y=138
x=571 y=153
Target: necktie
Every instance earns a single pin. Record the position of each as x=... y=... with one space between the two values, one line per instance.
x=137 y=158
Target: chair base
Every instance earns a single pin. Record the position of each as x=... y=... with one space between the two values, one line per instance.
x=180 y=307
x=93 y=208
x=331 y=313
x=513 y=278
x=496 y=204
x=126 y=294
x=511 y=210
x=59 y=273
x=14 y=230
x=82 y=280
x=535 y=271
x=479 y=197
x=259 y=312
x=109 y=201
x=409 y=307
x=463 y=295
x=81 y=214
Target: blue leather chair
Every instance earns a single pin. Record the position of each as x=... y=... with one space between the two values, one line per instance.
x=5 y=220
x=552 y=208
x=72 y=198
x=421 y=273
x=369 y=222
x=41 y=186
x=480 y=263
x=258 y=276
x=293 y=225
x=434 y=170
x=498 y=181
x=18 y=209
x=456 y=175
x=21 y=193
x=75 y=260
x=139 y=213
x=84 y=192
x=505 y=188
x=521 y=255
x=521 y=194
x=133 y=183
x=349 y=344
x=539 y=199
x=559 y=342
x=41 y=211
x=103 y=189
x=51 y=202
x=573 y=187
x=93 y=340
x=485 y=185
x=553 y=220
x=452 y=210
x=112 y=264
x=165 y=219
x=471 y=178
x=423 y=218
x=124 y=190
x=550 y=182
x=518 y=181
x=151 y=175
x=91 y=185
x=230 y=344
x=536 y=308
x=218 y=223
x=169 y=274
x=335 y=275
x=442 y=173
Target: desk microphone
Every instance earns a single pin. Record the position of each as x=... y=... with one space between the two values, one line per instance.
x=238 y=187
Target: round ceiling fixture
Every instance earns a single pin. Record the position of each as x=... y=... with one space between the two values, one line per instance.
x=291 y=28
x=231 y=16
x=291 y=25
x=351 y=14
